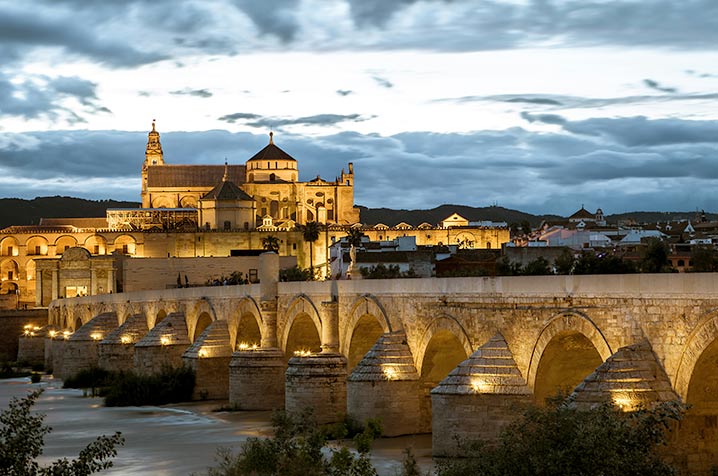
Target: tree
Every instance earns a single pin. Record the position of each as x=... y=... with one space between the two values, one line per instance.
x=295 y=273
x=354 y=236
x=564 y=262
x=270 y=243
x=22 y=441
x=655 y=256
x=704 y=259
x=310 y=234
x=561 y=440
x=538 y=267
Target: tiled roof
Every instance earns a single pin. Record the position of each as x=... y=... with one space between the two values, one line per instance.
x=192 y=175
x=226 y=191
x=271 y=152
x=582 y=213
x=98 y=222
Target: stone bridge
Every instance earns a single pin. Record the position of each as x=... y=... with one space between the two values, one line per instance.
x=475 y=347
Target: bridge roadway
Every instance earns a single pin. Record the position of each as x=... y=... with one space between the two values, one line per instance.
x=556 y=330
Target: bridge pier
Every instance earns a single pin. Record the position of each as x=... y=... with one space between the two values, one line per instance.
x=117 y=350
x=163 y=345
x=209 y=356
x=478 y=399
x=317 y=382
x=81 y=350
x=385 y=385
x=256 y=379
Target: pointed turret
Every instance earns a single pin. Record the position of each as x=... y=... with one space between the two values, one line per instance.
x=153 y=152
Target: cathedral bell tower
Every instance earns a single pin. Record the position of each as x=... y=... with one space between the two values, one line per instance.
x=153 y=156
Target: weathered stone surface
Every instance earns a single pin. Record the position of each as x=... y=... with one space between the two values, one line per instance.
x=317 y=382
x=117 y=350
x=209 y=356
x=385 y=385
x=631 y=378
x=31 y=350
x=257 y=379
x=478 y=398
x=163 y=345
x=81 y=348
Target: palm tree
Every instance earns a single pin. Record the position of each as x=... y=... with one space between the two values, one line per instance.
x=270 y=243
x=310 y=234
x=354 y=236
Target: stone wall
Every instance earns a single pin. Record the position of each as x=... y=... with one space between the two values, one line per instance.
x=319 y=383
x=257 y=380
x=12 y=323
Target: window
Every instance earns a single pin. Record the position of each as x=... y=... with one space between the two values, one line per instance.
x=9 y=275
x=227 y=225
x=38 y=250
x=124 y=249
x=246 y=225
x=681 y=262
x=272 y=177
x=488 y=245
x=96 y=249
x=10 y=250
x=253 y=276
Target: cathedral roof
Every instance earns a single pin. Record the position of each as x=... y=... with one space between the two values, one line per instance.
x=227 y=190
x=271 y=152
x=192 y=175
x=582 y=214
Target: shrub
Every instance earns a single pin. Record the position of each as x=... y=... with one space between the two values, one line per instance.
x=35 y=378
x=171 y=385
x=22 y=437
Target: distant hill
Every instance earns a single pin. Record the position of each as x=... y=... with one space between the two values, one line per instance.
x=16 y=211
x=372 y=216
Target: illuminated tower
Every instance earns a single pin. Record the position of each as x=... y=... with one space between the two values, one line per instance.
x=153 y=156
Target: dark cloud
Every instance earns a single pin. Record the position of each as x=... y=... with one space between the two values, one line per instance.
x=617 y=164
x=41 y=96
x=544 y=118
x=238 y=116
x=658 y=87
x=375 y=12
x=200 y=93
x=277 y=18
x=344 y=92
x=383 y=82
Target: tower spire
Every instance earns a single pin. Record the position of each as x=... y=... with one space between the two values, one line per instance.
x=271 y=137
x=225 y=178
x=153 y=152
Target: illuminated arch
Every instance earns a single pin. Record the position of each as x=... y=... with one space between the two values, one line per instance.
x=125 y=244
x=194 y=318
x=63 y=243
x=96 y=244
x=9 y=246
x=300 y=305
x=36 y=246
x=366 y=304
x=442 y=323
x=246 y=306
x=698 y=341
x=570 y=321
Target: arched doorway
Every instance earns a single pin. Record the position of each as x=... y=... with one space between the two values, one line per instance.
x=568 y=358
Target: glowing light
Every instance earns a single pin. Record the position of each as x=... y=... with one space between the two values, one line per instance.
x=66 y=334
x=302 y=353
x=203 y=353
x=126 y=339
x=623 y=401
x=247 y=346
x=164 y=340
x=390 y=373
x=52 y=334
x=255 y=347
x=96 y=336
x=480 y=385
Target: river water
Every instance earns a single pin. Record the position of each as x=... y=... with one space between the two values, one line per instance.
x=170 y=440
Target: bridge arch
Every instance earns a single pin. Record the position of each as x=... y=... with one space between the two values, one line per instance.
x=367 y=321
x=444 y=324
x=575 y=328
x=704 y=334
x=245 y=323
x=302 y=312
x=202 y=315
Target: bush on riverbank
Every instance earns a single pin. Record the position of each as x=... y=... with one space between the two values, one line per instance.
x=171 y=385
x=22 y=435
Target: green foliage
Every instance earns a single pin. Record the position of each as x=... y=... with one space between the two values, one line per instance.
x=354 y=236
x=409 y=466
x=310 y=234
x=22 y=437
x=654 y=257
x=296 y=450
x=506 y=267
x=93 y=378
x=171 y=385
x=564 y=262
x=295 y=273
x=602 y=263
x=538 y=267
x=270 y=243
x=35 y=378
x=560 y=440
x=704 y=259
x=12 y=370
x=381 y=271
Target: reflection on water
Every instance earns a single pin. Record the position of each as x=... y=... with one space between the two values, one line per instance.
x=169 y=440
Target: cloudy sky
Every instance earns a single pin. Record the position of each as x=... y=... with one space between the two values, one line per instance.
x=537 y=105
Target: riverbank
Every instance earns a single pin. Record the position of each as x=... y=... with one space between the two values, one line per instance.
x=171 y=440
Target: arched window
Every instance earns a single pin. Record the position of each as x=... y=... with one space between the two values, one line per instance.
x=272 y=177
